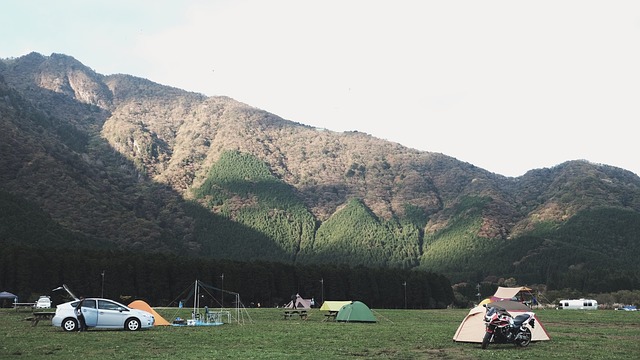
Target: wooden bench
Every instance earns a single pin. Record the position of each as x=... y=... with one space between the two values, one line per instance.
x=289 y=313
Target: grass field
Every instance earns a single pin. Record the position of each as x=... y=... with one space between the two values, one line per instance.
x=399 y=334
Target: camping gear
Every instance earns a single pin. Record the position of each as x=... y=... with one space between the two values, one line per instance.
x=142 y=305
x=472 y=328
x=7 y=298
x=299 y=302
x=332 y=308
x=200 y=292
x=355 y=311
x=333 y=305
x=5 y=295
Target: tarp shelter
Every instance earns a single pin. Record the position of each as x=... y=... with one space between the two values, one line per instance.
x=355 y=311
x=333 y=305
x=472 y=328
x=508 y=293
x=141 y=305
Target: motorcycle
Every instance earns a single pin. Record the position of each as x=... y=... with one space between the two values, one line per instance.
x=502 y=328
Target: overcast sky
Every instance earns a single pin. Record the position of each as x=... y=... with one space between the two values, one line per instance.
x=508 y=86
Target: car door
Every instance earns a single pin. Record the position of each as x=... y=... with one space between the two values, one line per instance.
x=111 y=314
x=90 y=312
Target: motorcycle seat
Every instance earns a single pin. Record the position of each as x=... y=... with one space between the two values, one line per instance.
x=518 y=320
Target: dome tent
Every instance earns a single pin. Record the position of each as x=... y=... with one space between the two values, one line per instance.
x=142 y=305
x=472 y=328
x=355 y=311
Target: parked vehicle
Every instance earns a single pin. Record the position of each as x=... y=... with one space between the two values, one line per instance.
x=502 y=328
x=102 y=314
x=579 y=304
x=44 y=302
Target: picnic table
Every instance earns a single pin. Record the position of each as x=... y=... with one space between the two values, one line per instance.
x=288 y=313
x=330 y=316
x=41 y=315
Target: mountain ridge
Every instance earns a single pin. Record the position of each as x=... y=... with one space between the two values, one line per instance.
x=141 y=151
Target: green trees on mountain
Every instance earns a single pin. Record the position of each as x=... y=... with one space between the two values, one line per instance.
x=457 y=246
x=354 y=235
x=240 y=188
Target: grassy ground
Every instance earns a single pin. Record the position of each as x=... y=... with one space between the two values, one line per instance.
x=399 y=334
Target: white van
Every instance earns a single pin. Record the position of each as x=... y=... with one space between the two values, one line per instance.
x=44 y=302
x=580 y=304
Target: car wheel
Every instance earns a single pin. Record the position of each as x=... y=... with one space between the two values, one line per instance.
x=132 y=325
x=70 y=324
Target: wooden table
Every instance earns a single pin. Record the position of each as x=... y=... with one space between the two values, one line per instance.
x=288 y=313
x=41 y=315
x=330 y=316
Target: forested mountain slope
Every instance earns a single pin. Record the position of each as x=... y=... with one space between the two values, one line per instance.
x=124 y=162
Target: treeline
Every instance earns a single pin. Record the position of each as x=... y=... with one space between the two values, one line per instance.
x=162 y=279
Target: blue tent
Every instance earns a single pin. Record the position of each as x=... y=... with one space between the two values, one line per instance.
x=8 y=296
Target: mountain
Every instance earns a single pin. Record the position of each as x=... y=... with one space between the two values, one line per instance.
x=122 y=162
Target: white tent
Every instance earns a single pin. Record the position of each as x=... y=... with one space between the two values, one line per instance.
x=300 y=303
x=472 y=328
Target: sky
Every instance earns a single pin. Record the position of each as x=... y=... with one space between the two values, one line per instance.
x=508 y=86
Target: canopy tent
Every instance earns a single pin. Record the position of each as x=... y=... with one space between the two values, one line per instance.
x=199 y=293
x=141 y=305
x=333 y=305
x=5 y=295
x=472 y=328
x=355 y=311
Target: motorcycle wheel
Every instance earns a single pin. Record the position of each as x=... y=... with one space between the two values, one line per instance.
x=525 y=338
x=486 y=340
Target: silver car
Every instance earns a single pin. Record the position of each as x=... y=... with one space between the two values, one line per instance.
x=102 y=314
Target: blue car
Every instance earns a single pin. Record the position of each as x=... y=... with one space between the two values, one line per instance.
x=102 y=314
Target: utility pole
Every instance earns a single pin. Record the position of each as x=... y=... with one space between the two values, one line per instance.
x=405 y=293
x=322 y=291
x=222 y=292
x=102 y=293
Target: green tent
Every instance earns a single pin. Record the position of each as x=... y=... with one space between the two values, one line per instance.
x=355 y=311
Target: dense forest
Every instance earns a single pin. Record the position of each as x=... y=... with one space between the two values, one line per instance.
x=120 y=165
x=161 y=279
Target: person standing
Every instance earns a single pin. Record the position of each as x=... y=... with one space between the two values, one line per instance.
x=82 y=324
